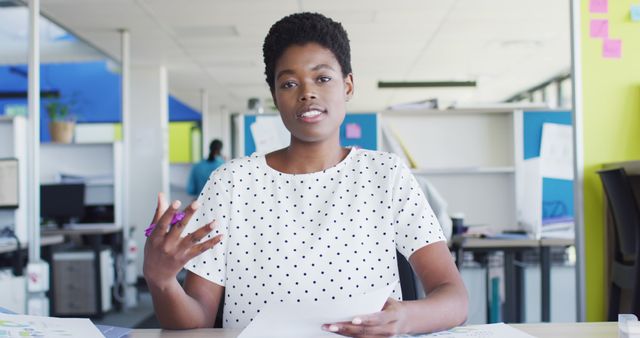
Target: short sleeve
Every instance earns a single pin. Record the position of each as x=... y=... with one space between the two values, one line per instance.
x=214 y=203
x=414 y=221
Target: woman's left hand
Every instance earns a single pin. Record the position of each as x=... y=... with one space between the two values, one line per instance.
x=386 y=323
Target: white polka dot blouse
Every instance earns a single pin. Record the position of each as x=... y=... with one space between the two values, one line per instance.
x=312 y=237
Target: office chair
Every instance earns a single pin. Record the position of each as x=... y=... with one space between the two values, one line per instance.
x=407 y=278
x=625 y=260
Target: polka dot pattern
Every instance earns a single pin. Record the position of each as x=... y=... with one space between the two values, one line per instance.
x=309 y=237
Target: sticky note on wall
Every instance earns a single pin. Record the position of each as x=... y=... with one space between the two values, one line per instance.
x=612 y=49
x=353 y=131
x=635 y=13
x=599 y=28
x=598 y=6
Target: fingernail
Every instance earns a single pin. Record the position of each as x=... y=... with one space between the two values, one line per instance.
x=356 y=321
x=334 y=328
x=195 y=205
x=176 y=204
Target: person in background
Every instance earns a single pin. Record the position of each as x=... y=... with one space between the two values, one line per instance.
x=201 y=171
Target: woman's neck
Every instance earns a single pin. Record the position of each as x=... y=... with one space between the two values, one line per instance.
x=306 y=158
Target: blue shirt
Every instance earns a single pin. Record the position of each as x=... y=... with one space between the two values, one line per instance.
x=200 y=174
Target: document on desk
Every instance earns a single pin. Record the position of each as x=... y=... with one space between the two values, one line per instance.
x=36 y=326
x=294 y=320
x=499 y=330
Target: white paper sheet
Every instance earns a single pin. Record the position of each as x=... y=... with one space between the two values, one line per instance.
x=499 y=330
x=51 y=327
x=293 y=320
x=269 y=134
x=556 y=151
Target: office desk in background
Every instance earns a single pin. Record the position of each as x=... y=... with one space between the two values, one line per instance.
x=543 y=330
x=44 y=241
x=98 y=237
x=513 y=250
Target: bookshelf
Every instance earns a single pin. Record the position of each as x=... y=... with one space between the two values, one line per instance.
x=468 y=155
x=13 y=144
x=472 y=156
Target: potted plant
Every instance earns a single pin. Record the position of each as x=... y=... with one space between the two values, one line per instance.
x=61 y=121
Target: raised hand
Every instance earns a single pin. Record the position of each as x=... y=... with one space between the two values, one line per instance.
x=165 y=251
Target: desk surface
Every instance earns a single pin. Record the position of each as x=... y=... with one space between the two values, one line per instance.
x=84 y=229
x=545 y=330
x=44 y=240
x=478 y=243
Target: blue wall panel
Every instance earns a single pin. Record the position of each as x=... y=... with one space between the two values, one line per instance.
x=92 y=85
x=368 y=124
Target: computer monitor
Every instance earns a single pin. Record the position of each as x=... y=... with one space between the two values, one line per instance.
x=9 y=183
x=62 y=203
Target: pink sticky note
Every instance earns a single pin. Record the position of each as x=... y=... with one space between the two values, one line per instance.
x=353 y=131
x=612 y=49
x=598 y=6
x=599 y=28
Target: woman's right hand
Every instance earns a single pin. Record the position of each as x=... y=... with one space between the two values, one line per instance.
x=165 y=251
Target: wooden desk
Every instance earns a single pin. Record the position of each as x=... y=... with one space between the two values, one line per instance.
x=544 y=330
x=513 y=250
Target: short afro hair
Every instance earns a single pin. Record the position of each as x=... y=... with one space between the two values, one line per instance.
x=300 y=29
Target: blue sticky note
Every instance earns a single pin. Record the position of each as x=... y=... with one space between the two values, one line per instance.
x=635 y=12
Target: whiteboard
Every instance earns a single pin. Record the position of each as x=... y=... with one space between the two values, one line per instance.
x=9 y=183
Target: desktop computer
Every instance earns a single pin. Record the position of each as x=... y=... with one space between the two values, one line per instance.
x=80 y=286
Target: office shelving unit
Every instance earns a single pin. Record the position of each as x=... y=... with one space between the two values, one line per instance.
x=469 y=155
x=474 y=157
x=99 y=166
x=13 y=144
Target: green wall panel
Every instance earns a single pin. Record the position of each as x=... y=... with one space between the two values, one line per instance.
x=611 y=129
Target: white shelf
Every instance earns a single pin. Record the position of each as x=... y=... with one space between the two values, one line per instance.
x=418 y=112
x=463 y=171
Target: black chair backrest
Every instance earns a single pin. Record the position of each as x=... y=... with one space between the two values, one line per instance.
x=624 y=207
x=407 y=278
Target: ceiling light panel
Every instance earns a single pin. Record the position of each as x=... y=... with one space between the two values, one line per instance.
x=202 y=31
x=383 y=5
x=101 y=15
x=202 y=12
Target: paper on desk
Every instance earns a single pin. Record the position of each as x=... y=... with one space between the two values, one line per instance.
x=556 y=151
x=113 y=331
x=305 y=320
x=499 y=330
x=36 y=326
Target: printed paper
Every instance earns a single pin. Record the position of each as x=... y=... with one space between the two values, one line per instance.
x=295 y=320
